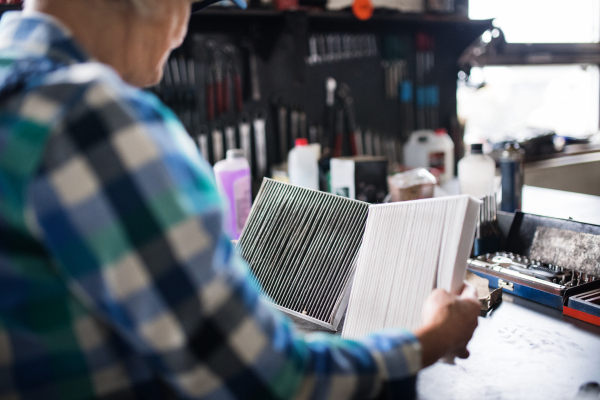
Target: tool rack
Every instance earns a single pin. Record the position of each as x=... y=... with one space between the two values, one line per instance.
x=281 y=42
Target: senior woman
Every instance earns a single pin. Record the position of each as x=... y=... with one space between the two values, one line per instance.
x=115 y=277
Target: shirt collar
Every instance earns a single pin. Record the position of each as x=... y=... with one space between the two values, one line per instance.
x=38 y=34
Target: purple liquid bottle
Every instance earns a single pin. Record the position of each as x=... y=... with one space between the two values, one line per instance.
x=235 y=185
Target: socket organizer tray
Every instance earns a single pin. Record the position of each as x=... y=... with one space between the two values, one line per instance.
x=314 y=254
x=550 y=261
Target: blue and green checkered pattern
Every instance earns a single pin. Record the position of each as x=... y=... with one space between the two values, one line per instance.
x=116 y=280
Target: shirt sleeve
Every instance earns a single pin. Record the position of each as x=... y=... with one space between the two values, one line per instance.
x=129 y=211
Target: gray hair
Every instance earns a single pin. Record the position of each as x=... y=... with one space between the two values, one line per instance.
x=144 y=7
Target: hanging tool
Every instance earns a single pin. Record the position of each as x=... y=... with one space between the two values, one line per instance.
x=230 y=137
x=350 y=122
x=217 y=142
x=216 y=74
x=203 y=142
x=237 y=82
x=377 y=144
x=253 y=68
x=210 y=95
x=233 y=81
x=339 y=132
x=314 y=57
x=302 y=124
x=345 y=122
x=313 y=134
x=369 y=143
x=227 y=87
x=245 y=141
x=294 y=124
x=406 y=109
x=358 y=140
x=281 y=116
x=424 y=66
x=260 y=141
x=329 y=116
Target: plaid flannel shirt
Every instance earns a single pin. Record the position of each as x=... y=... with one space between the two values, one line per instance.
x=116 y=279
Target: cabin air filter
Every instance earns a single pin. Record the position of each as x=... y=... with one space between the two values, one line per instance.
x=316 y=254
x=302 y=246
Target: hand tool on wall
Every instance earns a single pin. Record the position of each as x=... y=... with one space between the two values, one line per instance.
x=302 y=124
x=377 y=150
x=174 y=67
x=232 y=83
x=216 y=73
x=237 y=82
x=245 y=140
x=294 y=124
x=219 y=88
x=217 y=142
x=253 y=70
x=345 y=129
x=183 y=73
x=313 y=134
x=210 y=95
x=202 y=139
x=191 y=72
x=260 y=140
x=358 y=140
x=322 y=47
x=230 y=137
x=166 y=85
x=339 y=132
x=406 y=109
x=314 y=57
x=329 y=116
x=424 y=66
x=281 y=122
x=351 y=124
x=369 y=143
x=227 y=87
x=200 y=135
x=390 y=150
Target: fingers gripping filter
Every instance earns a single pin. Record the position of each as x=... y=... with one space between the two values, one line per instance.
x=302 y=246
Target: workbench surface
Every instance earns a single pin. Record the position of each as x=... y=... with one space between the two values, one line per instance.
x=520 y=350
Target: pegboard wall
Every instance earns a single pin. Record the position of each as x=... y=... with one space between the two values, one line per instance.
x=272 y=52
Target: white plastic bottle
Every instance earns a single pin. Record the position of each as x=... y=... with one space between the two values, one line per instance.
x=234 y=184
x=476 y=172
x=303 y=167
x=429 y=149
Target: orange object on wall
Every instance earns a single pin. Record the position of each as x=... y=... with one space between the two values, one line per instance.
x=362 y=9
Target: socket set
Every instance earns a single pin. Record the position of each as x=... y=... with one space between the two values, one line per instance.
x=541 y=259
x=547 y=273
x=523 y=278
x=520 y=275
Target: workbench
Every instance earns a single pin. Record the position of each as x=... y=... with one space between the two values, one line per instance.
x=522 y=349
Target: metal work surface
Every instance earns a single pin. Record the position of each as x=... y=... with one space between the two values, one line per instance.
x=521 y=350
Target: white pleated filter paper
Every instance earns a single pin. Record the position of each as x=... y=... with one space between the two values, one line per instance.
x=408 y=249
